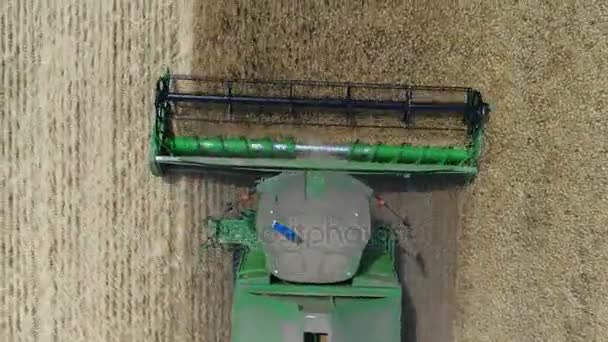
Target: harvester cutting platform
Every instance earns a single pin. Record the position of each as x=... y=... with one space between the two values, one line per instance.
x=316 y=264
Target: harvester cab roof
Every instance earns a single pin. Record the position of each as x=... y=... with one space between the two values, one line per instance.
x=314 y=225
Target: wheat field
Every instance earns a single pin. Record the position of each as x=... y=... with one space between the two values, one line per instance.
x=94 y=248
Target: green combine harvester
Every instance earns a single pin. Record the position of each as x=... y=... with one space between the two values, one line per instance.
x=315 y=264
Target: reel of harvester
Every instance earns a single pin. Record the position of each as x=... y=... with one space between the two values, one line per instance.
x=273 y=126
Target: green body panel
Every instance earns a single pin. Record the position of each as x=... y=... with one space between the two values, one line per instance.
x=368 y=319
x=366 y=309
x=237 y=231
x=273 y=318
x=258 y=318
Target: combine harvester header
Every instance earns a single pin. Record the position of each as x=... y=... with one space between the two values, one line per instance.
x=177 y=96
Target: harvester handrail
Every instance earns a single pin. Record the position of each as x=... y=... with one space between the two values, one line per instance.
x=302 y=82
x=402 y=106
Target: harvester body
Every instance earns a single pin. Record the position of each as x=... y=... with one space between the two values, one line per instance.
x=315 y=264
x=333 y=280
